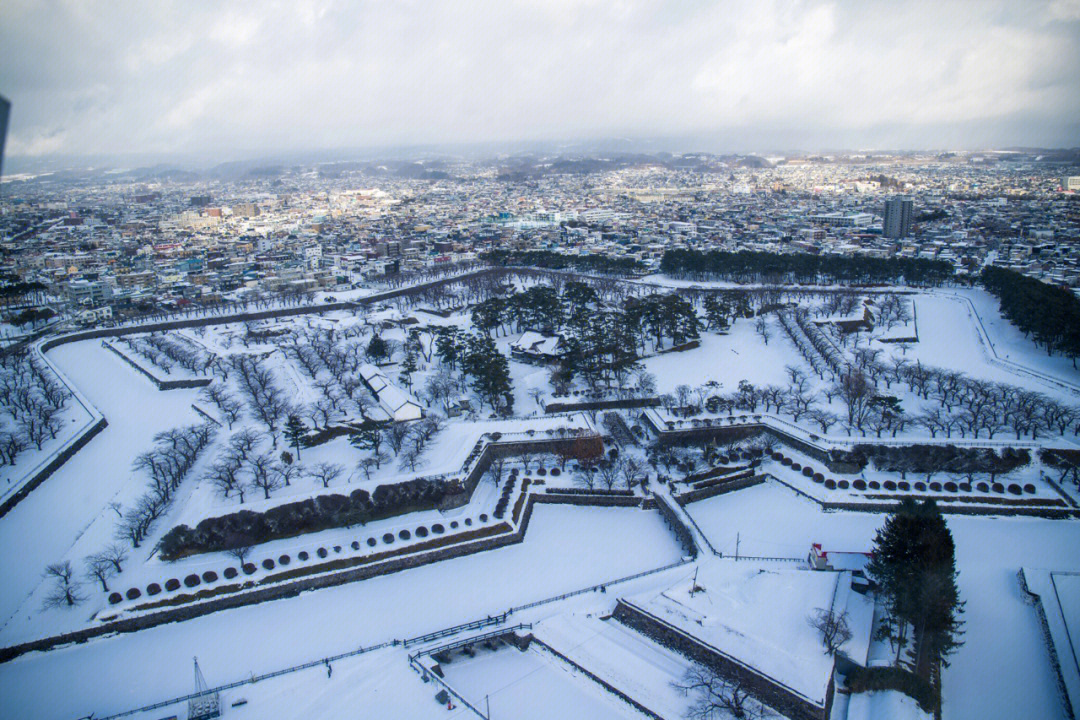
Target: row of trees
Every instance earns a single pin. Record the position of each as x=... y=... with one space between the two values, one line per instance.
x=167 y=464
x=167 y=351
x=1047 y=314
x=246 y=528
x=960 y=404
x=754 y=266
x=34 y=400
x=547 y=259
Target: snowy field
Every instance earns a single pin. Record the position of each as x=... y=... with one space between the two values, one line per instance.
x=755 y=608
x=629 y=661
x=1003 y=669
x=532 y=685
x=566 y=548
x=73 y=504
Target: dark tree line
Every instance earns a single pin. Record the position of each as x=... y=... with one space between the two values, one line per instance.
x=1049 y=315
x=755 y=266
x=550 y=260
x=246 y=528
x=914 y=566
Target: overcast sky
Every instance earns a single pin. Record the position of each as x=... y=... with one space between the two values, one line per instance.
x=230 y=80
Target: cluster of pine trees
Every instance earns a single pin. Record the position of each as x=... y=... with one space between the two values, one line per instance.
x=754 y=266
x=914 y=566
x=1047 y=314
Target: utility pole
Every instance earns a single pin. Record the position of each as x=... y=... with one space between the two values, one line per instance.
x=736 y=546
x=487 y=706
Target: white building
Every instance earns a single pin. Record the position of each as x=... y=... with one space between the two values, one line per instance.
x=398 y=404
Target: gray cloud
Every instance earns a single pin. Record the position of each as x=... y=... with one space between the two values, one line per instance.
x=224 y=80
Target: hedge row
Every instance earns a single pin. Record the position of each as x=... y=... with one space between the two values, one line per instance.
x=244 y=528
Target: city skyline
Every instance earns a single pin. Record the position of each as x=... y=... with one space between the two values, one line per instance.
x=226 y=83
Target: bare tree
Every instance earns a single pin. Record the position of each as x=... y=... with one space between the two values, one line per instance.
x=715 y=696
x=261 y=469
x=67 y=590
x=115 y=554
x=495 y=469
x=99 y=568
x=240 y=553
x=833 y=627
x=325 y=473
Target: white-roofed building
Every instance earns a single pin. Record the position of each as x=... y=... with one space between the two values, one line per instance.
x=398 y=404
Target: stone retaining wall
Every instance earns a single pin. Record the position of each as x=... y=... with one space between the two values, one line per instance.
x=718 y=489
x=62 y=457
x=598 y=680
x=764 y=688
x=161 y=384
x=277 y=592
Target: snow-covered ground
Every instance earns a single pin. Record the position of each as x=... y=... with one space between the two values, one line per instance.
x=532 y=685
x=627 y=660
x=68 y=515
x=566 y=548
x=1003 y=668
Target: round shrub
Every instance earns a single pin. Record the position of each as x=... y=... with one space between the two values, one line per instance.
x=115 y=598
x=902 y=485
x=1029 y=488
x=249 y=568
x=153 y=589
x=209 y=576
x=796 y=466
x=541 y=472
x=983 y=487
x=133 y=593
x=935 y=486
x=230 y=573
x=268 y=564
x=950 y=486
x=404 y=534
x=808 y=471
x=890 y=485
x=355 y=545
x=438 y=528
x=920 y=486
x=965 y=487
x=191 y=580
x=818 y=477
x=785 y=460
x=1015 y=489
x=388 y=538
x=337 y=548
x=321 y=552
x=843 y=484
x=302 y=555
x=468 y=521
x=859 y=484
x=556 y=472
x=998 y=488
x=421 y=531
x=830 y=484
x=172 y=584
x=483 y=517
x=874 y=485
x=371 y=542
x=453 y=524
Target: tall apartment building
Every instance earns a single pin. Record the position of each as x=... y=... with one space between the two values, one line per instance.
x=898 y=212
